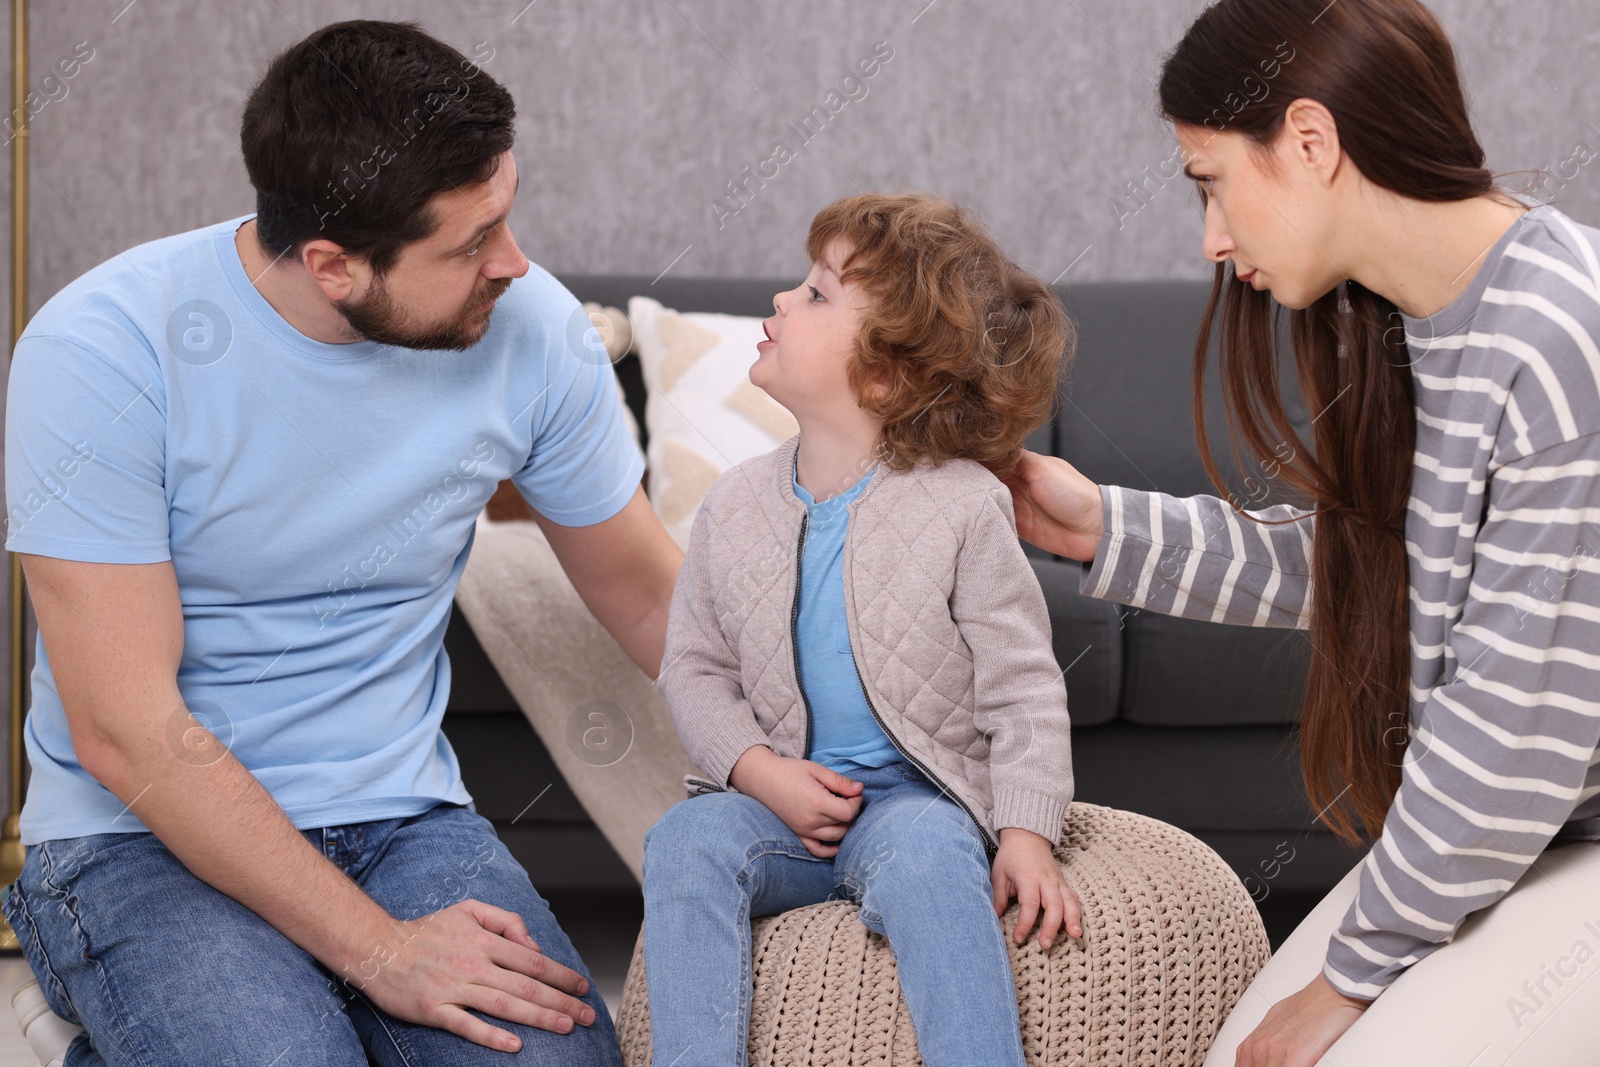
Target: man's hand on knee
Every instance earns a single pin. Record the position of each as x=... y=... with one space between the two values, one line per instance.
x=472 y=955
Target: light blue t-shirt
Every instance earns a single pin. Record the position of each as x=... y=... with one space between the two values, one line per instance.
x=844 y=735
x=317 y=502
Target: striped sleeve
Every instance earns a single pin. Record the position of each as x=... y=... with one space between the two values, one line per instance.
x=1199 y=558
x=1500 y=753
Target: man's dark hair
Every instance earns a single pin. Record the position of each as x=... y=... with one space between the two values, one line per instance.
x=351 y=131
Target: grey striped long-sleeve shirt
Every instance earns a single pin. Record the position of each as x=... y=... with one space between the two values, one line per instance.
x=1503 y=539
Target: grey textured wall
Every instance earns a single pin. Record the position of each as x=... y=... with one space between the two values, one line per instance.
x=635 y=113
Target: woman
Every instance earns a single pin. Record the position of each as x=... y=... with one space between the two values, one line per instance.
x=1446 y=336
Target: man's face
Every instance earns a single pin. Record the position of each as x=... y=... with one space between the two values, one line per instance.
x=440 y=293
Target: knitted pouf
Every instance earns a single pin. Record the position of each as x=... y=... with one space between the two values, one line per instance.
x=1171 y=940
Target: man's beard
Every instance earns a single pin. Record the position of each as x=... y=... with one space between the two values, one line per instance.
x=377 y=318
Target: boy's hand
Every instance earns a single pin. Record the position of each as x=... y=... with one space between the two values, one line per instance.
x=1026 y=869
x=816 y=803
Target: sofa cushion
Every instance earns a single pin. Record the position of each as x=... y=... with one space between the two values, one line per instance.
x=1127 y=411
x=731 y=296
x=1199 y=778
x=1188 y=672
x=1135 y=359
x=1084 y=636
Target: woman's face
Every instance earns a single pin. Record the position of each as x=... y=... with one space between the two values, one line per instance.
x=1268 y=212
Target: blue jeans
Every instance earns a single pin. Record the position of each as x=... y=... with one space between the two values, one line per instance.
x=165 y=971
x=912 y=860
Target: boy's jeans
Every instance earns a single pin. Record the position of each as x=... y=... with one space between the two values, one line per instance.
x=912 y=859
x=166 y=971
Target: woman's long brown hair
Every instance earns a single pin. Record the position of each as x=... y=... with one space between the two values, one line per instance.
x=1386 y=72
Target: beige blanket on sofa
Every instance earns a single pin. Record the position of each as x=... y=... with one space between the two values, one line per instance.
x=606 y=725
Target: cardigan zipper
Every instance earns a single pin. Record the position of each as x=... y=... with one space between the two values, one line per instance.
x=794 y=631
x=993 y=845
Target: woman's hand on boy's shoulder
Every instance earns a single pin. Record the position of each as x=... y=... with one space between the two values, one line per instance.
x=1025 y=867
x=817 y=803
x=1056 y=508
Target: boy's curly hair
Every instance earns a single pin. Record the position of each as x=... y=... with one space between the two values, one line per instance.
x=971 y=346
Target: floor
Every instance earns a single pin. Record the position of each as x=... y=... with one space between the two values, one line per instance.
x=602 y=927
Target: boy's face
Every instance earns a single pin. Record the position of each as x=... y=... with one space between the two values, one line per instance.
x=440 y=293
x=812 y=339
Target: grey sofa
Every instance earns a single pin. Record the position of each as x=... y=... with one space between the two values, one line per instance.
x=1185 y=721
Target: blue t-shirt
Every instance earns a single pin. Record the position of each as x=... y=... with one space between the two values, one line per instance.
x=317 y=502
x=844 y=735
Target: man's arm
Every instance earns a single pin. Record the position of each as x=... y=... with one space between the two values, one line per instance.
x=114 y=636
x=624 y=569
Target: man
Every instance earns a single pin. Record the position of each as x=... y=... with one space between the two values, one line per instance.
x=243 y=466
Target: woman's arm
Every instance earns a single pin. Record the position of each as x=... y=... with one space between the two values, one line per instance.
x=1500 y=754
x=1190 y=556
x=1197 y=557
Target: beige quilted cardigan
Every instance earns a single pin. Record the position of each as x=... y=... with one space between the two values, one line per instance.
x=946 y=619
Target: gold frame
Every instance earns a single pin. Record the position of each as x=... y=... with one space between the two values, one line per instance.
x=11 y=850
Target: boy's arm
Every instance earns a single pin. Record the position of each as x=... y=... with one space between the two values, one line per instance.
x=700 y=670
x=1020 y=698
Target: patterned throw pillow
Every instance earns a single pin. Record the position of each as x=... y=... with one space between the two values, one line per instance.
x=703 y=414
